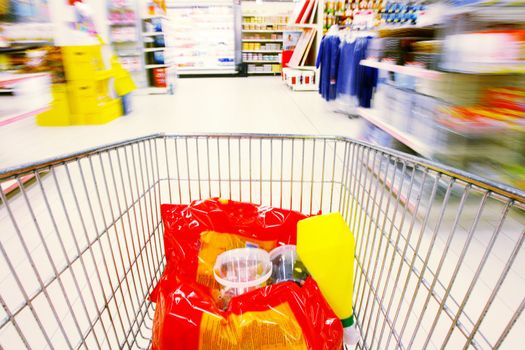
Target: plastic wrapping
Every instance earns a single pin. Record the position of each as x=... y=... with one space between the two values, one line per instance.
x=189 y=315
x=195 y=234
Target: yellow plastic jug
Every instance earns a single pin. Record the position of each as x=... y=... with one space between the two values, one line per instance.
x=326 y=246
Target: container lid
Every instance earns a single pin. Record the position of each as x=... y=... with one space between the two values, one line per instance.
x=288 y=248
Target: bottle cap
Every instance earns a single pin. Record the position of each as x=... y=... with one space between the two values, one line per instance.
x=351 y=335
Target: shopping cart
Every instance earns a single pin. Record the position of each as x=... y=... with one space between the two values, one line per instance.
x=439 y=257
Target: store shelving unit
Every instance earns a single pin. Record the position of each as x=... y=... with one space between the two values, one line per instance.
x=207 y=35
x=124 y=36
x=407 y=70
x=21 y=111
x=152 y=33
x=157 y=71
x=154 y=49
x=151 y=66
x=307 y=17
x=257 y=61
x=263 y=30
x=263 y=51
x=407 y=139
x=255 y=38
x=248 y=40
x=437 y=125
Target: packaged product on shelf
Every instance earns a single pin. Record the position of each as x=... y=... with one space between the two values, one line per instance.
x=159 y=77
x=194 y=311
x=158 y=57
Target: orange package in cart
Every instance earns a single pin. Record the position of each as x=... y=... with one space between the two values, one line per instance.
x=188 y=314
x=195 y=234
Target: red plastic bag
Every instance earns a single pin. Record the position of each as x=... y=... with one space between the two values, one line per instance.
x=187 y=315
x=279 y=316
x=195 y=234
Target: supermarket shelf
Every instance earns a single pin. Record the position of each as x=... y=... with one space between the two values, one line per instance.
x=266 y=15
x=262 y=73
x=204 y=71
x=152 y=33
x=265 y=23
x=262 y=31
x=407 y=70
x=303 y=25
x=203 y=68
x=17 y=46
x=262 y=40
x=485 y=69
x=153 y=49
x=262 y=61
x=20 y=116
x=130 y=24
x=409 y=140
x=263 y=51
x=32 y=42
x=151 y=66
x=128 y=54
x=501 y=14
x=149 y=18
x=313 y=68
x=152 y=90
x=10 y=79
x=435 y=75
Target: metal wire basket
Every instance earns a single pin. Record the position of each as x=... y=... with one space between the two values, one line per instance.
x=439 y=257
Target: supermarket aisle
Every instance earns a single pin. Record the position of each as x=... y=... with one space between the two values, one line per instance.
x=253 y=105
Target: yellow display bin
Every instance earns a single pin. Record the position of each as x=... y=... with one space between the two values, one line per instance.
x=59 y=113
x=106 y=112
x=85 y=98
x=82 y=62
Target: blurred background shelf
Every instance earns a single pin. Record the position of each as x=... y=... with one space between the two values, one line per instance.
x=409 y=140
x=407 y=70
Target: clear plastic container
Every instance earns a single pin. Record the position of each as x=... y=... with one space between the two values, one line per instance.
x=286 y=265
x=242 y=270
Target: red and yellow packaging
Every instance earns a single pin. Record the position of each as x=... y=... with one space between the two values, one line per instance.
x=195 y=234
x=278 y=316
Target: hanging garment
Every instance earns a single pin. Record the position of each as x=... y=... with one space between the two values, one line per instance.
x=353 y=78
x=365 y=78
x=328 y=60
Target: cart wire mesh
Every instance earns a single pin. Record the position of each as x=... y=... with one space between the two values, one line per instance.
x=439 y=261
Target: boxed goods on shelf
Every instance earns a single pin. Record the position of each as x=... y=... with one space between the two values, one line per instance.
x=484 y=51
x=401 y=109
x=159 y=77
x=423 y=117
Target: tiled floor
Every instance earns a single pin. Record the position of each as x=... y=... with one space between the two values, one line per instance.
x=205 y=105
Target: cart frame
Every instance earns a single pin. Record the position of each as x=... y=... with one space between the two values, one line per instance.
x=82 y=244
